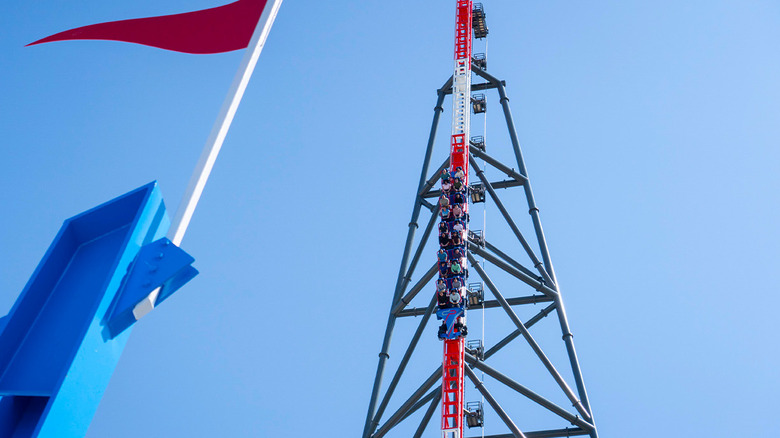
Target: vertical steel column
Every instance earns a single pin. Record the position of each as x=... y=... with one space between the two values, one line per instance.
x=372 y=423
x=533 y=210
x=575 y=363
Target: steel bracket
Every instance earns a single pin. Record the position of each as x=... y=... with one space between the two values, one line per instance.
x=159 y=264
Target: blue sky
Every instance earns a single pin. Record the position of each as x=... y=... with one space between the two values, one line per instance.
x=650 y=131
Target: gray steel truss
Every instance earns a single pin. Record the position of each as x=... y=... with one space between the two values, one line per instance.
x=539 y=275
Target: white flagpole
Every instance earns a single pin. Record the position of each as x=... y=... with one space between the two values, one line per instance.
x=214 y=143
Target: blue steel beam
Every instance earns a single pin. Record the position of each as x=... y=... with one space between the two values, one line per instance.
x=63 y=337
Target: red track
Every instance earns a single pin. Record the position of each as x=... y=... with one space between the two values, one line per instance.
x=453 y=362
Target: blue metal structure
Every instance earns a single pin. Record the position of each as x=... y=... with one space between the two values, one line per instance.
x=63 y=337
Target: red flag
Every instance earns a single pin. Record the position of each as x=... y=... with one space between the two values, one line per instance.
x=216 y=30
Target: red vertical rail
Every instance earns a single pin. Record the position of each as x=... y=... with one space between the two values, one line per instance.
x=452 y=389
x=461 y=97
x=453 y=361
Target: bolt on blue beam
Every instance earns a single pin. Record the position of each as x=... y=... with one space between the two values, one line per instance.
x=63 y=337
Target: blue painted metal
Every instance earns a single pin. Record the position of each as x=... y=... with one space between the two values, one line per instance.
x=57 y=352
x=158 y=264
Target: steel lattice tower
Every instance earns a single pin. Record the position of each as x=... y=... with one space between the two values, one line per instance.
x=495 y=256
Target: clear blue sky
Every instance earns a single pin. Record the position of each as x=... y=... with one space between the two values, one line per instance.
x=651 y=134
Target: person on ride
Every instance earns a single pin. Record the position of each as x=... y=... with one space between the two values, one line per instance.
x=445 y=239
x=460 y=326
x=442 y=299
x=446 y=186
x=458 y=228
x=457 y=184
x=456 y=239
x=455 y=296
x=457 y=211
x=457 y=255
